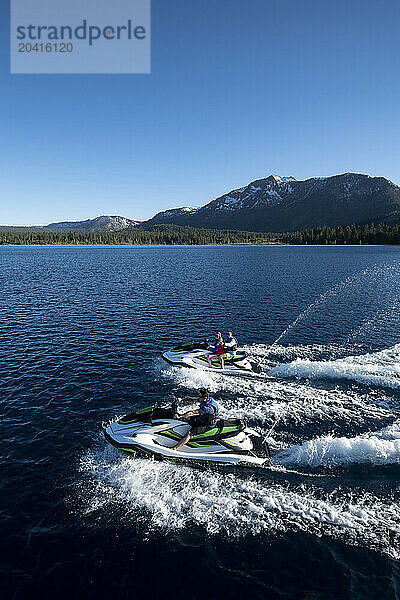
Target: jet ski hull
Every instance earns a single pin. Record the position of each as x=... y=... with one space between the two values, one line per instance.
x=224 y=443
x=193 y=357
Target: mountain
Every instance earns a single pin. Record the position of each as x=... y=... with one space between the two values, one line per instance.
x=286 y=204
x=99 y=224
x=274 y=204
x=171 y=215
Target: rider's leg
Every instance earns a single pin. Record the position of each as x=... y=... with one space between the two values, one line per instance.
x=183 y=441
x=210 y=356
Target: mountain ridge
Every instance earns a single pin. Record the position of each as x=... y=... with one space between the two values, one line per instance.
x=276 y=203
x=98 y=224
x=272 y=203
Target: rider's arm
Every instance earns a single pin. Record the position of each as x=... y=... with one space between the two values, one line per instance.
x=190 y=413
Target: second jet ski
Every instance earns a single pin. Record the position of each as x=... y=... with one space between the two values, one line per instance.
x=153 y=431
x=195 y=355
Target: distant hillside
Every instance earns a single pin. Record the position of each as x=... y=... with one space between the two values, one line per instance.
x=285 y=204
x=171 y=215
x=99 y=224
x=103 y=223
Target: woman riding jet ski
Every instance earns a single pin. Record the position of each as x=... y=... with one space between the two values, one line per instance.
x=200 y=355
x=155 y=432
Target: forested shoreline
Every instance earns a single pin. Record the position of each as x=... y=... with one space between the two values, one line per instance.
x=173 y=235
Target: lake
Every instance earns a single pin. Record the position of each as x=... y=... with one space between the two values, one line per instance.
x=81 y=334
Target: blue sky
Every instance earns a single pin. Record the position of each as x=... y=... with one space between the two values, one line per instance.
x=238 y=90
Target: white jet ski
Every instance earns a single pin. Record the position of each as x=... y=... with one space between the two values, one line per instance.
x=152 y=432
x=194 y=355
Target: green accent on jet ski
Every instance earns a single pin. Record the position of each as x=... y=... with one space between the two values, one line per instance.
x=237 y=358
x=182 y=347
x=175 y=436
x=145 y=410
x=128 y=450
x=191 y=443
x=228 y=429
x=169 y=433
x=202 y=437
x=141 y=411
x=208 y=433
x=216 y=431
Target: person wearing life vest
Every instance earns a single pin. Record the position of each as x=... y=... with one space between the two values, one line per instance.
x=200 y=419
x=230 y=345
x=217 y=350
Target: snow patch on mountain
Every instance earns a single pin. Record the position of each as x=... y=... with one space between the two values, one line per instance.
x=263 y=192
x=280 y=179
x=102 y=223
x=183 y=210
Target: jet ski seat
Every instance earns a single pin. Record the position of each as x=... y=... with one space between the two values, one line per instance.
x=190 y=347
x=146 y=415
x=223 y=428
x=241 y=355
x=230 y=426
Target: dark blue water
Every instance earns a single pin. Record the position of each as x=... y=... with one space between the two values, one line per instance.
x=81 y=331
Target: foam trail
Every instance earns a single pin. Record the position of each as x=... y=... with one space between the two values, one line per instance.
x=268 y=357
x=377 y=368
x=165 y=496
x=292 y=402
x=260 y=352
x=377 y=448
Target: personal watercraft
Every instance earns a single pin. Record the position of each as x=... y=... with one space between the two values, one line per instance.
x=195 y=355
x=152 y=432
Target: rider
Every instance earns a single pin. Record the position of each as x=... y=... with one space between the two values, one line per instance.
x=230 y=345
x=217 y=350
x=199 y=419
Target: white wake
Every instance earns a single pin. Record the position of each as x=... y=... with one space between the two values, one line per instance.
x=376 y=368
x=377 y=448
x=169 y=497
x=293 y=402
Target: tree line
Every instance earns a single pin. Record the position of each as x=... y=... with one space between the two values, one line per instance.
x=174 y=235
x=157 y=235
x=352 y=234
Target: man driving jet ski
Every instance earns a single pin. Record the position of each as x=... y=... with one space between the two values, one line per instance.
x=200 y=419
x=230 y=345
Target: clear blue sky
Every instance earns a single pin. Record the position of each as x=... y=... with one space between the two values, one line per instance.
x=238 y=90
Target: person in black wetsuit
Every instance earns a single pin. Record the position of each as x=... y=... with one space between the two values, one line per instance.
x=199 y=419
